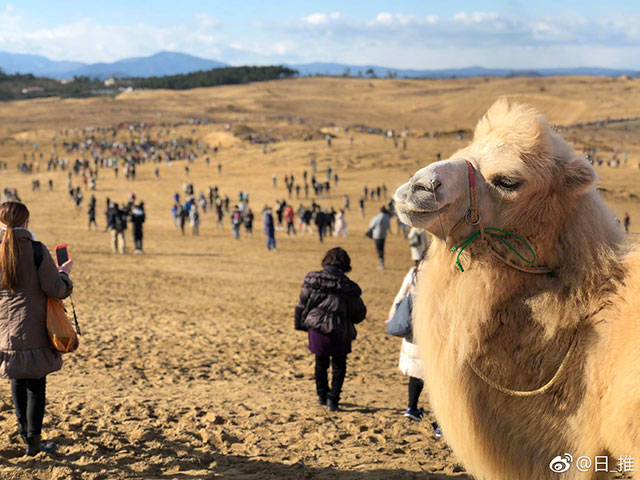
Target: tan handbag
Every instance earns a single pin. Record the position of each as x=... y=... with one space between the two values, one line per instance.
x=62 y=335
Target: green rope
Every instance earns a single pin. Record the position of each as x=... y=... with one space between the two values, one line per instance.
x=468 y=241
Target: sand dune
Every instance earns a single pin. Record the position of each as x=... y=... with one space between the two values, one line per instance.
x=189 y=366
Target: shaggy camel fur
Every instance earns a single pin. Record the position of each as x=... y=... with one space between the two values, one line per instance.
x=515 y=327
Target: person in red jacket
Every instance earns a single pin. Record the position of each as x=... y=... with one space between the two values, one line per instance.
x=290 y=216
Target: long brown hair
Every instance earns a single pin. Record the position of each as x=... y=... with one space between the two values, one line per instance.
x=13 y=215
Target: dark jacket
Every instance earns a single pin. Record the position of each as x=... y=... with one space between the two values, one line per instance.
x=137 y=219
x=111 y=217
x=24 y=344
x=330 y=304
x=116 y=219
x=269 y=228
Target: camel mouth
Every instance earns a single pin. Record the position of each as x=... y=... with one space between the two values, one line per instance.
x=412 y=210
x=438 y=211
x=419 y=217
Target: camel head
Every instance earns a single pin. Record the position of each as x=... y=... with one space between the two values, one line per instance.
x=528 y=178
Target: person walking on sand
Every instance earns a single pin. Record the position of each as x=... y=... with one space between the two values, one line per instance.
x=410 y=363
x=183 y=214
x=194 y=219
x=279 y=212
x=330 y=306
x=248 y=223
x=418 y=242
x=236 y=222
x=626 y=221
x=341 y=224
x=29 y=275
x=92 y=213
x=321 y=222
x=219 y=214
x=290 y=217
x=269 y=228
x=174 y=214
x=138 y=217
x=117 y=224
x=379 y=227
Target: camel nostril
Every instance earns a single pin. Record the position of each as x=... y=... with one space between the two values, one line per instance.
x=434 y=185
x=426 y=186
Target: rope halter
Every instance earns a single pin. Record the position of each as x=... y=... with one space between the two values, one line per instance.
x=473 y=218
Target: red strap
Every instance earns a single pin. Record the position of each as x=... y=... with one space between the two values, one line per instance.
x=472 y=175
x=472 y=217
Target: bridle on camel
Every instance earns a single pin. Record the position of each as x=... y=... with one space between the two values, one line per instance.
x=473 y=218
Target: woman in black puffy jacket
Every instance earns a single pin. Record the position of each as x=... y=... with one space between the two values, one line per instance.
x=330 y=305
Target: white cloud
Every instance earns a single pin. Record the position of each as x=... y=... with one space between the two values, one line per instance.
x=321 y=18
x=91 y=41
x=475 y=17
x=384 y=18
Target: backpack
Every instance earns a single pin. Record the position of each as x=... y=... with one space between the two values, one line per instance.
x=120 y=221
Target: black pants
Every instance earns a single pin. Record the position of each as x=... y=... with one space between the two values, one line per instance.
x=339 y=370
x=380 y=247
x=29 y=400
x=137 y=242
x=415 y=389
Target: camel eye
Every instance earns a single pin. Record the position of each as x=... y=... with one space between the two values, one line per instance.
x=505 y=183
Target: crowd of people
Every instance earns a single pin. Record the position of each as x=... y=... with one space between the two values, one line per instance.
x=330 y=304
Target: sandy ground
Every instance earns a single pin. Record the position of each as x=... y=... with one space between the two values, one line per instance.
x=189 y=367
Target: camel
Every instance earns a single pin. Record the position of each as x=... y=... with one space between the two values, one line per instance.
x=526 y=311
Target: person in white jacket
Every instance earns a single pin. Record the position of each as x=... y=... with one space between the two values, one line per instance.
x=418 y=242
x=410 y=363
x=341 y=224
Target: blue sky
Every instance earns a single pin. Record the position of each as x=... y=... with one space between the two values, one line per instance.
x=403 y=33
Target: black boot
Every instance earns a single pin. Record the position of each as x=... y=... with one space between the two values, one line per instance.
x=333 y=405
x=34 y=446
x=22 y=431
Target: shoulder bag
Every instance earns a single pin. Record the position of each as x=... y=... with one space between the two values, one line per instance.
x=62 y=336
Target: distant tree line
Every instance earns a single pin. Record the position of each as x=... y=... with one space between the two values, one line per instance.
x=212 y=78
x=17 y=86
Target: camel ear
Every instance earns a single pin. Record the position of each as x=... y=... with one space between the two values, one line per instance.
x=579 y=175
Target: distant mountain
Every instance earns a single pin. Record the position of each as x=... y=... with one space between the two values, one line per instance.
x=39 y=66
x=174 y=63
x=337 y=69
x=158 y=65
